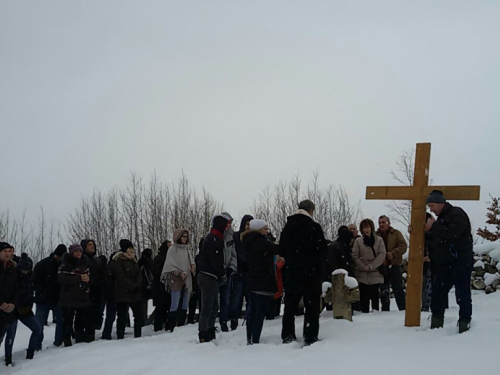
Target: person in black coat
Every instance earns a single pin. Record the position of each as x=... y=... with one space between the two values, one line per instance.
x=9 y=294
x=78 y=315
x=47 y=290
x=238 y=290
x=109 y=299
x=98 y=279
x=146 y=266
x=260 y=276
x=25 y=307
x=339 y=255
x=161 y=297
x=211 y=275
x=127 y=291
x=452 y=257
x=303 y=245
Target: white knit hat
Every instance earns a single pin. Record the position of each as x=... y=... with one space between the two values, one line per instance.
x=257 y=224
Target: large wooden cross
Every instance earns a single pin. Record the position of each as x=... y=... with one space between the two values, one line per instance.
x=418 y=194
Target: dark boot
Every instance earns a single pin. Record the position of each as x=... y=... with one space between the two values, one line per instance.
x=203 y=336
x=463 y=325
x=8 y=360
x=29 y=354
x=234 y=324
x=67 y=342
x=90 y=336
x=223 y=327
x=437 y=322
x=137 y=331
x=211 y=334
x=181 y=318
x=172 y=321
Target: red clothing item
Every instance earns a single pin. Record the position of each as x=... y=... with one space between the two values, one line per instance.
x=279 y=279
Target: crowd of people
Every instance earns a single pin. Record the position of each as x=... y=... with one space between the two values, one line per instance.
x=86 y=292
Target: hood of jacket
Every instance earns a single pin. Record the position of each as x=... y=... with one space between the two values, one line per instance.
x=244 y=220
x=84 y=243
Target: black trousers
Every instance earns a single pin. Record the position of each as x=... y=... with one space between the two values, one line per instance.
x=121 y=322
x=162 y=306
x=394 y=279
x=81 y=321
x=209 y=287
x=367 y=294
x=259 y=305
x=457 y=273
x=311 y=316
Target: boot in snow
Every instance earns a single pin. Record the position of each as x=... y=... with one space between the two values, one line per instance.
x=234 y=324
x=172 y=321
x=181 y=318
x=437 y=322
x=29 y=354
x=463 y=325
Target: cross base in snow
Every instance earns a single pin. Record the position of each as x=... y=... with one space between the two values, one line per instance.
x=341 y=297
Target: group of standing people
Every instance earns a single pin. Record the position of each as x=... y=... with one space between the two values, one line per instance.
x=78 y=286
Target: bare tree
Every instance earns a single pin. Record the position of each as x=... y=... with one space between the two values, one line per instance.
x=404 y=175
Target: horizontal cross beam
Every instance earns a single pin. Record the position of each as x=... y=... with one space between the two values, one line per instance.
x=471 y=192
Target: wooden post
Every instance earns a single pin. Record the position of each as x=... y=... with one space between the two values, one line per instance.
x=418 y=193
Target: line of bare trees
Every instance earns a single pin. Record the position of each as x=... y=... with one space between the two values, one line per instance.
x=147 y=213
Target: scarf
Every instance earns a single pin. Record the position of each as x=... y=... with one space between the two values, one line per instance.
x=369 y=240
x=178 y=261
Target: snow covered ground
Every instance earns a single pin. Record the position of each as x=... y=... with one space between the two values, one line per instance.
x=376 y=343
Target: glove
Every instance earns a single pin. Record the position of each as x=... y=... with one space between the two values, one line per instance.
x=223 y=280
x=229 y=272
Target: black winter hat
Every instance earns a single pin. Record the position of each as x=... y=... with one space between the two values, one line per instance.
x=125 y=245
x=436 y=196
x=25 y=263
x=5 y=245
x=60 y=250
x=220 y=223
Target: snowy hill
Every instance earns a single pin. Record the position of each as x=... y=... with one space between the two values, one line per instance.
x=376 y=343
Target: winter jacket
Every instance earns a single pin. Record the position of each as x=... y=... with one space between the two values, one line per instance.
x=211 y=259
x=127 y=276
x=451 y=236
x=303 y=245
x=97 y=277
x=338 y=256
x=109 y=290
x=26 y=293
x=159 y=292
x=363 y=256
x=260 y=254
x=46 y=283
x=146 y=266
x=396 y=244
x=238 y=244
x=74 y=292
x=279 y=279
x=230 y=257
x=9 y=289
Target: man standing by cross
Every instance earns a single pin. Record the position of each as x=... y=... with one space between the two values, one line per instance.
x=453 y=257
x=396 y=246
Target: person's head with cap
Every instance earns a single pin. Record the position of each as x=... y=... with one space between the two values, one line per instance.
x=58 y=253
x=259 y=225
x=344 y=235
x=219 y=223
x=6 y=252
x=25 y=264
x=127 y=248
x=88 y=247
x=75 y=250
x=436 y=201
x=229 y=218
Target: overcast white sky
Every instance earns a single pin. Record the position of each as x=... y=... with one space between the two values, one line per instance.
x=242 y=94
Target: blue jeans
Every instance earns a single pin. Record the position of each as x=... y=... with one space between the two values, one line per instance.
x=176 y=297
x=36 y=334
x=110 y=319
x=42 y=313
x=224 y=291
x=259 y=305
x=236 y=300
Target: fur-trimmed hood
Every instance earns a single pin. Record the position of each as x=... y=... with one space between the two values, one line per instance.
x=119 y=256
x=11 y=264
x=247 y=232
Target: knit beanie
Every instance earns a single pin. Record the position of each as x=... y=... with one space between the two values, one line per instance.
x=60 y=250
x=74 y=248
x=219 y=223
x=5 y=245
x=125 y=245
x=257 y=224
x=436 y=196
x=25 y=263
x=226 y=215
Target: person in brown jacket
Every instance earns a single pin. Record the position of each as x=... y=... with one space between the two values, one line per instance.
x=396 y=246
x=368 y=254
x=127 y=288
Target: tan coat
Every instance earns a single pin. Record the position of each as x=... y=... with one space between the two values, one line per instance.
x=396 y=244
x=363 y=256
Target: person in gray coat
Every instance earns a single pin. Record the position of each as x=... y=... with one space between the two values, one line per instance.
x=368 y=254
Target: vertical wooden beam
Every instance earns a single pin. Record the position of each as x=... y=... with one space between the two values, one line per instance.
x=417 y=238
